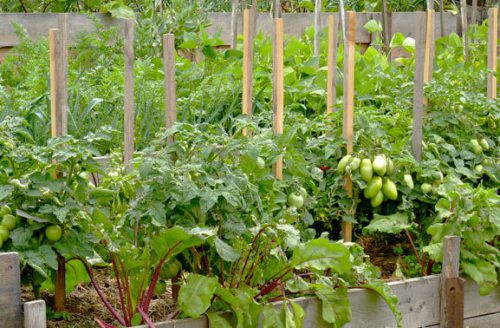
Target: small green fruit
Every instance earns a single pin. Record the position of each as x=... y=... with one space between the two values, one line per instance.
x=9 y=221
x=426 y=188
x=377 y=200
x=4 y=233
x=53 y=232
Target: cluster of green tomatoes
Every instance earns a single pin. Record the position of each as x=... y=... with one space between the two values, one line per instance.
x=9 y=222
x=375 y=173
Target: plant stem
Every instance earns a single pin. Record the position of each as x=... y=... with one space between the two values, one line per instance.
x=410 y=239
x=146 y=318
x=60 y=283
x=126 y=314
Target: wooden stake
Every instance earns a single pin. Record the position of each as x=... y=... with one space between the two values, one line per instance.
x=128 y=122
x=247 y=63
x=317 y=39
x=34 y=314
x=63 y=26
x=418 y=89
x=169 y=66
x=429 y=49
x=385 y=25
x=278 y=92
x=492 y=51
x=234 y=24
x=331 y=92
x=10 y=296
x=441 y=16
x=473 y=19
x=452 y=287
x=349 y=53
x=255 y=10
x=463 y=12
x=342 y=19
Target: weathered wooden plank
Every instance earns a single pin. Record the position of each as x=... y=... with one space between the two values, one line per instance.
x=278 y=89
x=57 y=111
x=492 y=51
x=234 y=23
x=34 y=314
x=418 y=89
x=385 y=25
x=10 y=290
x=129 y=118
x=491 y=320
x=317 y=28
x=247 y=63
x=452 y=303
x=170 y=92
x=63 y=90
x=331 y=91
x=473 y=18
x=441 y=17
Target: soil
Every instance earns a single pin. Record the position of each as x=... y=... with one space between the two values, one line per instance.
x=83 y=305
x=381 y=252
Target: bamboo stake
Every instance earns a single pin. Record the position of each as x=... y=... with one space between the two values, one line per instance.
x=331 y=94
x=63 y=26
x=58 y=128
x=463 y=12
x=234 y=24
x=129 y=92
x=170 y=95
x=278 y=86
x=317 y=40
x=247 y=63
x=349 y=103
x=418 y=89
x=492 y=52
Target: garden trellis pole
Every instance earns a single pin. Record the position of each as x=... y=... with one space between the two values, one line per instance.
x=463 y=15
x=234 y=23
x=429 y=48
x=342 y=18
x=385 y=26
x=128 y=121
x=441 y=16
x=278 y=92
x=418 y=88
x=170 y=95
x=317 y=40
x=58 y=112
x=331 y=91
x=349 y=54
x=492 y=52
x=10 y=296
x=452 y=286
x=473 y=18
x=63 y=26
x=247 y=63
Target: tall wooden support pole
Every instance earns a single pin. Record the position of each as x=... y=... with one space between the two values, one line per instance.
x=418 y=89
x=429 y=48
x=255 y=10
x=492 y=52
x=348 y=127
x=63 y=26
x=169 y=67
x=441 y=16
x=278 y=92
x=342 y=18
x=234 y=24
x=317 y=39
x=128 y=122
x=331 y=91
x=385 y=25
x=473 y=18
x=452 y=286
x=463 y=15
x=247 y=63
x=58 y=120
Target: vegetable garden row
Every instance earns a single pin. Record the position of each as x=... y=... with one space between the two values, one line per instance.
x=232 y=207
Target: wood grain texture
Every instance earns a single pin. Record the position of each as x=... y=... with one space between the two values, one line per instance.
x=129 y=118
x=247 y=63
x=170 y=86
x=429 y=45
x=331 y=92
x=234 y=23
x=473 y=18
x=465 y=26
x=348 y=124
x=492 y=51
x=449 y=311
x=317 y=29
x=57 y=111
x=10 y=291
x=418 y=88
x=278 y=89
x=34 y=314
x=441 y=17
x=63 y=88
x=385 y=25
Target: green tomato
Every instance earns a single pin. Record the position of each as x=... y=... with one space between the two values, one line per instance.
x=390 y=167
x=426 y=188
x=373 y=187
x=260 y=162
x=484 y=144
x=295 y=200
x=409 y=181
x=5 y=209
x=377 y=200
x=366 y=169
x=4 y=233
x=478 y=168
x=354 y=164
x=476 y=147
x=389 y=189
x=303 y=193
x=379 y=165
x=9 y=221
x=342 y=164
x=53 y=232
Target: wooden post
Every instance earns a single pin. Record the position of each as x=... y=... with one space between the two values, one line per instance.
x=247 y=63
x=331 y=94
x=342 y=19
x=429 y=48
x=10 y=290
x=128 y=122
x=418 y=89
x=234 y=24
x=349 y=53
x=63 y=88
x=34 y=314
x=169 y=66
x=58 y=128
x=317 y=39
x=463 y=15
x=255 y=10
x=473 y=19
x=441 y=16
x=278 y=92
x=492 y=51
x=385 y=26
x=452 y=287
